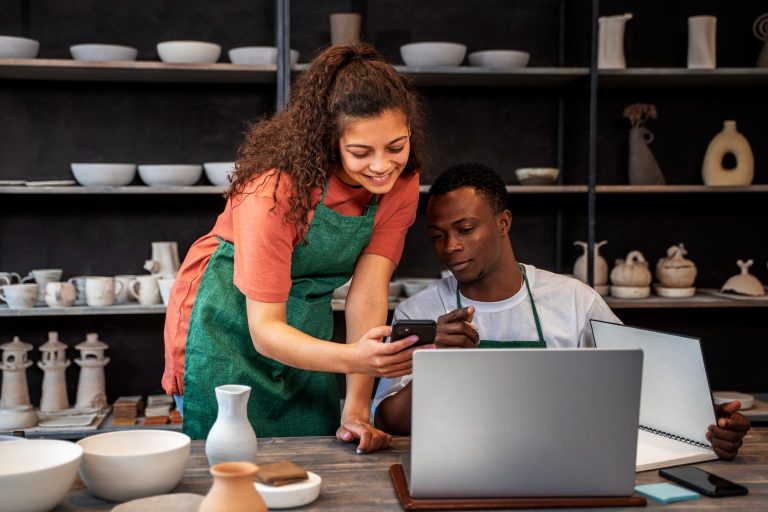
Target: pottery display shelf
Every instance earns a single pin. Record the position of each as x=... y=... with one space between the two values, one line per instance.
x=677 y=189
x=704 y=298
x=128 y=190
x=533 y=189
x=682 y=77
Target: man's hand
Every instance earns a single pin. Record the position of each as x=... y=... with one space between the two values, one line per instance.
x=455 y=330
x=727 y=436
x=371 y=438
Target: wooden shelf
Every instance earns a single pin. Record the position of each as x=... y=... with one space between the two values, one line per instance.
x=137 y=189
x=122 y=309
x=682 y=77
x=677 y=189
x=533 y=189
x=136 y=71
x=702 y=299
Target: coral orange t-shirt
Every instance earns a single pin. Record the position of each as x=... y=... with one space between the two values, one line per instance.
x=264 y=244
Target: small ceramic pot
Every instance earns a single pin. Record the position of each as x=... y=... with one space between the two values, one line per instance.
x=233 y=489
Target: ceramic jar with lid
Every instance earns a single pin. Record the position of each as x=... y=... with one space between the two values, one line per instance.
x=675 y=274
x=630 y=278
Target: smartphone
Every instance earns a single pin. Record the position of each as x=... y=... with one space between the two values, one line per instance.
x=703 y=482
x=426 y=330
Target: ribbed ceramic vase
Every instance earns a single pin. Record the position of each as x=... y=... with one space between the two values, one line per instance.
x=232 y=437
x=233 y=489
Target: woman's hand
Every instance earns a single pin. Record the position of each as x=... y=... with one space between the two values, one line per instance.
x=373 y=357
x=371 y=438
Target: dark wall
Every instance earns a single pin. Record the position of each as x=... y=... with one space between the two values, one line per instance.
x=47 y=125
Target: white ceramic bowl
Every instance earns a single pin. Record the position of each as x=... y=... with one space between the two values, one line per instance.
x=258 y=55
x=291 y=495
x=36 y=474
x=170 y=175
x=432 y=54
x=103 y=52
x=17 y=417
x=120 y=466
x=18 y=47
x=537 y=175
x=415 y=285
x=218 y=172
x=499 y=59
x=188 y=52
x=723 y=397
x=106 y=175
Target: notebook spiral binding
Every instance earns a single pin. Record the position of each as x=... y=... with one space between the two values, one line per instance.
x=676 y=438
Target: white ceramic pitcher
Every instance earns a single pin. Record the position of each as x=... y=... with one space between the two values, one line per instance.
x=165 y=259
x=610 y=53
x=232 y=437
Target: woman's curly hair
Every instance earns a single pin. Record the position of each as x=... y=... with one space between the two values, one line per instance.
x=343 y=83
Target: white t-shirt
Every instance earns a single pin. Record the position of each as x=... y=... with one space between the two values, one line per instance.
x=564 y=305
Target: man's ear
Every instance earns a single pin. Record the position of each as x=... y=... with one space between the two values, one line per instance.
x=504 y=222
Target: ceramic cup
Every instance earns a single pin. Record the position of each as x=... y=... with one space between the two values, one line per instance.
x=345 y=27
x=165 y=284
x=19 y=296
x=145 y=290
x=8 y=278
x=60 y=295
x=101 y=290
x=41 y=277
x=79 y=282
x=124 y=296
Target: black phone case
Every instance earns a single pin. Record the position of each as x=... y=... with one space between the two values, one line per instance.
x=736 y=490
x=426 y=330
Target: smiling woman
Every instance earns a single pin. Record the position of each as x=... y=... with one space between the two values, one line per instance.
x=322 y=191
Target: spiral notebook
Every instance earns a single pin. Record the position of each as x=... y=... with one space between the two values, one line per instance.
x=676 y=403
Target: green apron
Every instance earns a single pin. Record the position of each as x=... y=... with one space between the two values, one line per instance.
x=540 y=343
x=284 y=401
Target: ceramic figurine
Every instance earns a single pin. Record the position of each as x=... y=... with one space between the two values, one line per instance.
x=54 y=364
x=90 y=386
x=630 y=278
x=760 y=29
x=232 y=437
x=610 y=54
x=728 y=141
x=702 y=33
x=744 y=283
x=165 y=259
x=233 y=489
x=676 y=274
x=15 y=363
x=600 y=267
x=643 y=168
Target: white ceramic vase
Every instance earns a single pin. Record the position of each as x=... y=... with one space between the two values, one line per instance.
x=232 y=437
x=701 y=42
x=610 y=53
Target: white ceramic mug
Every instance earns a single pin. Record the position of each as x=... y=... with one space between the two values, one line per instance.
x=19 y=296
x=42 y=276
x=60 y=295
x=124 y=296
x=101 y=290
x=345 y=27
x=79 y=282
x=8 y=277
x=165 y=284
x=145 y=290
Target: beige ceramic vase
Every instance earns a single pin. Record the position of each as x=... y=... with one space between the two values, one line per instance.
x=728 y=141
x=233 y=489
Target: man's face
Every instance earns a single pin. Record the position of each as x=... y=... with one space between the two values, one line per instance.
x=466 y=235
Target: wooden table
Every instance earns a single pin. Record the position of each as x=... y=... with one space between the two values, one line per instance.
x=362 y=483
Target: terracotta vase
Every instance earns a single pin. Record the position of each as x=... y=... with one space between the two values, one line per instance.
x=231 y=437
x=728 y=141
x=233 y=489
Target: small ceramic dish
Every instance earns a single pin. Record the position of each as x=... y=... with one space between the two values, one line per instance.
x=291 y=495
x=218 y=172
x=630 y=292
x=433 y=54
x=106 y=175
x=170 y=175
x=12 y=47
x=723 y=397
x=537 y=175
x=188 y=52
x=674 y=293
x=258 y=55
x=103 y=52
x=499 y=59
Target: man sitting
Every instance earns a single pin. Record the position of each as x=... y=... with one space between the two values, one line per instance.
x=491 y=300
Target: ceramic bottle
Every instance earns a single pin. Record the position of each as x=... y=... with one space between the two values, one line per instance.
x=701 y=42
x=599 y=264
x=233 y=489
x=232 y=437
x=610 y=53
x=728 y=141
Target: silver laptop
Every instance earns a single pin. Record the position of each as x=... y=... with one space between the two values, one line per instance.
x=508 y=423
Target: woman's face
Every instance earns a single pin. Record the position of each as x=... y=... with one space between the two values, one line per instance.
x=374 y=151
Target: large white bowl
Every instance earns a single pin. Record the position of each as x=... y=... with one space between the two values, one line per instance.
x=188 y=52
x=104 y=175
x=103 y=52
x=258 y=55
x=36 y=474
x=499 y=59
x=218 y=172
x=433 y=54
x=120 y=466
x=170 y=175
x=18 y=47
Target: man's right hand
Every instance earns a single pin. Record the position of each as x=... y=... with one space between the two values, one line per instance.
x=455 y=329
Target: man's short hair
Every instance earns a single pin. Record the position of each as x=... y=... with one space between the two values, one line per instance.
x=486 y=182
